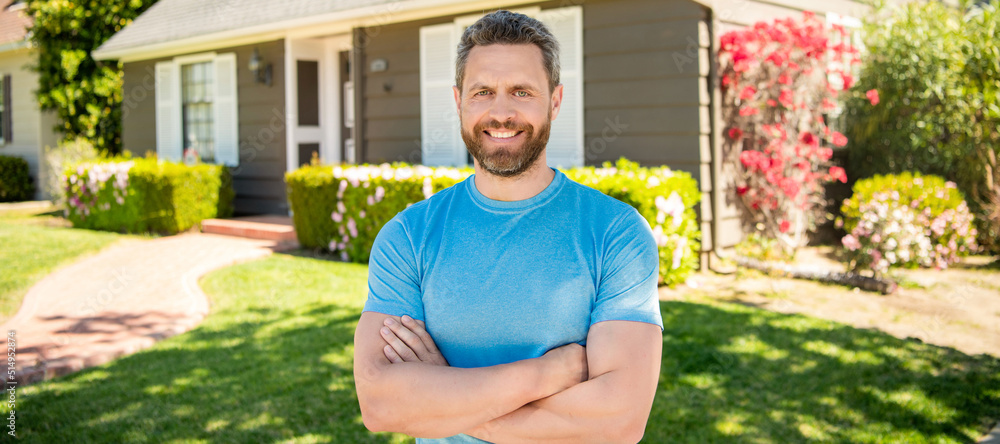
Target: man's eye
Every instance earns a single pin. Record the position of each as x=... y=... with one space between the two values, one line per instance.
x=482 y=93
x=521 y=94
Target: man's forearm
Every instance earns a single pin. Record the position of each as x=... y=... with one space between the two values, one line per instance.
x=426 y=400
x=593 y=411
x=431 y=401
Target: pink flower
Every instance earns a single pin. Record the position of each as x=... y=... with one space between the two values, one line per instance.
x=838 y=173
x=678 y=252
x=352 y=227
x=850 y=242
x=379 y=193
x=786 y=98
x=748 y=93
x=872 y=95
x=839 y=139
x=784 y=226
x=735 y=133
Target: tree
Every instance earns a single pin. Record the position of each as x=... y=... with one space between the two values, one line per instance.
x=935 y=68
x=85 y=94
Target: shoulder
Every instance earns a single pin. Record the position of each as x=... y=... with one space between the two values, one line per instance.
x=603 y=208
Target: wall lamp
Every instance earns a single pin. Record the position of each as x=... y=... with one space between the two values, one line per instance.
x=261 y=71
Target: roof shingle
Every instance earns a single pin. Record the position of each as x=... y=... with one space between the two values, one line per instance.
x=170 y=20
x=14 y=23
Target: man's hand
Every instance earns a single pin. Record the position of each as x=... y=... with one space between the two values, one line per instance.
x=408 y=341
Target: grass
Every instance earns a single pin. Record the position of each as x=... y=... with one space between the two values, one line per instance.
x=272 y=362
x=32 y=250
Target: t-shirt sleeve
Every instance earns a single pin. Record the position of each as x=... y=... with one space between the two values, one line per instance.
x=629 y=273
x=393 y=281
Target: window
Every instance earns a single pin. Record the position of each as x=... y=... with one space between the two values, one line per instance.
x=6 y=121
x=196 y=89
x=196 y=108
x=441 y=141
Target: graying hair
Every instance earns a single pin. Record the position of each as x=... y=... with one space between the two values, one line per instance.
x=509 y=28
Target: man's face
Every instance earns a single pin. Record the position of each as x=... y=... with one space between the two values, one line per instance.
x=506 y=107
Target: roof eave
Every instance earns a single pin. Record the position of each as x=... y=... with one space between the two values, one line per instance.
x=325 y=24
x=15 y=45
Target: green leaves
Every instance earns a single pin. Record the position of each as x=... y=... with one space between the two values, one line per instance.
x=84 y=94
x=938 y=71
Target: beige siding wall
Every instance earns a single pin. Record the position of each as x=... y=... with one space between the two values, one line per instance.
x=391 y=99
x=32 y=129
x=259 y=179
x=646 y=92
x=644 y=84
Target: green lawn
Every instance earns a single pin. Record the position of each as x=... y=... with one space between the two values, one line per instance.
x=29 y=250
x=272 y=362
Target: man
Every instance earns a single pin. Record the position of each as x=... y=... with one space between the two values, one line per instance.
x=482 y=297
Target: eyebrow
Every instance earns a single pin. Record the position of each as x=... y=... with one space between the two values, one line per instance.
x=480 y=86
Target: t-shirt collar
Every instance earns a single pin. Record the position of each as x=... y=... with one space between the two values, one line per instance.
x=503 y=205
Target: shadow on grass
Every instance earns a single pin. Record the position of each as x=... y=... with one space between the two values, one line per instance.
x=265 y=366
x=737 y=374
x=273 y=362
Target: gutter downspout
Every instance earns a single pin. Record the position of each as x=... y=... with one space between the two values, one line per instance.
x=715 y=138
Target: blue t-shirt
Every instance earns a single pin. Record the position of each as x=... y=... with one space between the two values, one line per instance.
x=502 y=281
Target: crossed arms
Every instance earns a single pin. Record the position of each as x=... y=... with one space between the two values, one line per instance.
x=601 y=393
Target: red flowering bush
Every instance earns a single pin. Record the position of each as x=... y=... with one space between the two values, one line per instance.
x=778 y=80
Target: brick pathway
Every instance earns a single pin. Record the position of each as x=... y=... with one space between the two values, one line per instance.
x=119 y=301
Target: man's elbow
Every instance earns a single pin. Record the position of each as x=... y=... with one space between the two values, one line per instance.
x=373 y=417
x=628 y=428
x=633 y=431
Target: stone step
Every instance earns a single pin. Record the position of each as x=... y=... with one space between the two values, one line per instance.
x=266 y=227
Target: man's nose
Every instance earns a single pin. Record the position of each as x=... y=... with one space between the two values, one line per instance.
x=502 y=108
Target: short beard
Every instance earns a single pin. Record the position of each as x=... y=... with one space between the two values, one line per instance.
x=512 y=161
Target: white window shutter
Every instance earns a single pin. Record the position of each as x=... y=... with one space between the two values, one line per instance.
x=565 y=148
x=168 y=112
x=226 y=111
x=440 y=130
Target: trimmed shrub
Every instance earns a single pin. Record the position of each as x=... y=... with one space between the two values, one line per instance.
x=146 y=195
x=906 y=220
x=342 y=209
x=15 y=180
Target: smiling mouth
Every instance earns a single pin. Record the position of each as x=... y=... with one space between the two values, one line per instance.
x=505 y=134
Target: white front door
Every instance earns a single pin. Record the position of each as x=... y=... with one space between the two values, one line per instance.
x=313 y=99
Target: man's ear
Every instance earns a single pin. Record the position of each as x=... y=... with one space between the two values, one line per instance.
x=458 y=99
x=557 y=96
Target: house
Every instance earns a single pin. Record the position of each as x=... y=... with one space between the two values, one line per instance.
x=25 y=131
x=263 y=85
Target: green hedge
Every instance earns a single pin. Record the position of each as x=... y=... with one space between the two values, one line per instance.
x=15 y=180
x=146 y=195
x=341 y=209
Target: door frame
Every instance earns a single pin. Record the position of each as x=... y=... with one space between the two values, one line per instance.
x=324 y=50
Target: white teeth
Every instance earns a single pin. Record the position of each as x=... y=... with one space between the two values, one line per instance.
x=504 y=135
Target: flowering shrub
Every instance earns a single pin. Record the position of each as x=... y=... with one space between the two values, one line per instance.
x=342 y=208
x=778 y=79
x=145 y=195
x=665 y=198
x=906 y=220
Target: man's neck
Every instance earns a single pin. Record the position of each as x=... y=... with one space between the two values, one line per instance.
x=520 y=187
